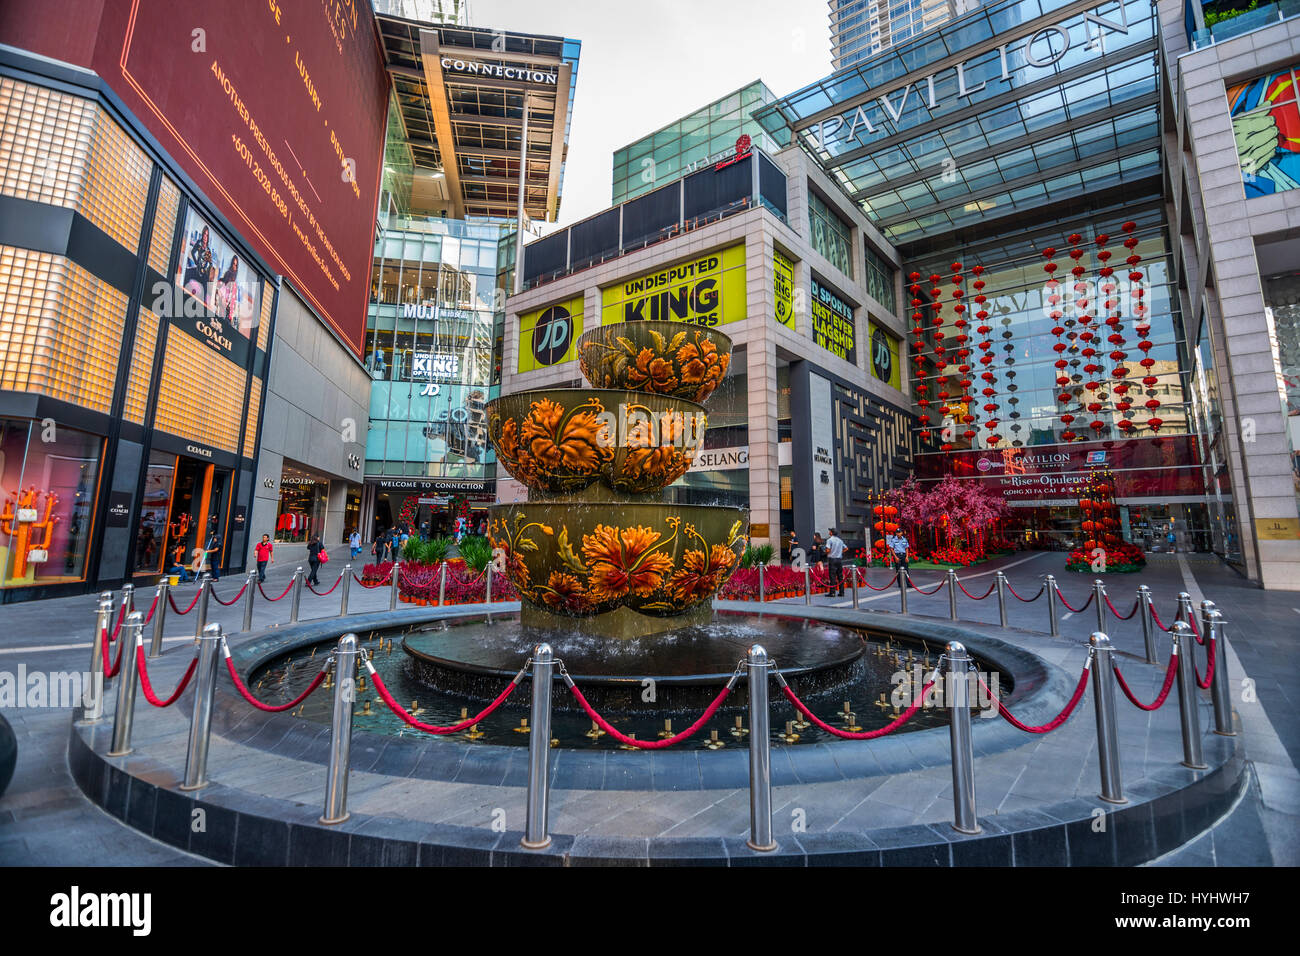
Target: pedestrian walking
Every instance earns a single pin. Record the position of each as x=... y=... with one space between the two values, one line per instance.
x=262 y=551
x=212 y=551
x=835 y=555
x=354 y=542
x=314 y=550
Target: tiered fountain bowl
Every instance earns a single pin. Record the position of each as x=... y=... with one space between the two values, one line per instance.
x=596 y=550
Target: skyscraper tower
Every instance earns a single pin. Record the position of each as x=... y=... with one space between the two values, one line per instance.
x=860 y=28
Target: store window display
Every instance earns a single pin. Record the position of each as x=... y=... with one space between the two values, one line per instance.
x=304 y=497
x=48 y=477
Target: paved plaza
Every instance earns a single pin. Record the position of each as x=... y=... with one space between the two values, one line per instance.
x=45 y=819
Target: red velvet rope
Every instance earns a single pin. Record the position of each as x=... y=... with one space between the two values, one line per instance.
x=1209 y=667
x=287 y=589
x=216 y=597
x=432 y=728
x=992 y=588
x=324 y=593
x=177 y=609
x=1026 y=600
x=370 y=587
x=152 y=607
x=1122 y=617
x=110 y=671
x=937 y=588
x=148 y=688
x=889 y=728
x=606 y=726
x=1081 y=607
x=1056 y=721
x=883 y=587
x=269 y=708
x=1191 y=622
x=1164 y=688
x=121 y=616
x=1156 y=618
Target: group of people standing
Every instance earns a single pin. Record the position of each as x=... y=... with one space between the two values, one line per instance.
x=830 y=551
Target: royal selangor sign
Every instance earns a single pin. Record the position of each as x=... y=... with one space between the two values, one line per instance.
x=832 y=323
x=1018 y=61
x=1157 y=467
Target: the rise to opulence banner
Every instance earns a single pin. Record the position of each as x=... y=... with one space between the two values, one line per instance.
x=1157 y=467
x=276 y=109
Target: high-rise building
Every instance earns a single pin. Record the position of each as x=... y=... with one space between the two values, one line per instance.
x=862 y=28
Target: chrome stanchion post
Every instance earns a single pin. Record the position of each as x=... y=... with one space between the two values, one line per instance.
x=1219 y=691
x=201 y=609
x=345 y=695
x=347 y=588
x=856 y=569
x=92 y=698
x=959 y=735
x=487 y=587
x=1001 y=581
x=807 y=585
x=1051 y=606
x=1148 y=630
x=295 y=601
x=250 y=588
x=952 y=594
x=760 y=755
x=123 y=717
x=762 y=589
x=205 y=686
x=393 y=585
x=1103 y=699
x=1204 y=622
x=159 y=618
x=1189 y=719
x=1185 y=611
x=537 y=823
x=128 y=600
x=901 y=577
x=1099 y=598
x=442 y=585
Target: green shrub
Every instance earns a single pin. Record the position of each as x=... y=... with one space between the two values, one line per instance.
x=763 y=554
x=476 y=551
x=434 y=551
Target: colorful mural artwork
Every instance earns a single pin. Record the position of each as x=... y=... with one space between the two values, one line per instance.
x=1266 y=126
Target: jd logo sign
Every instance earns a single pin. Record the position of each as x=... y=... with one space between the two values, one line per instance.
x=552 y=335
x=882 y=363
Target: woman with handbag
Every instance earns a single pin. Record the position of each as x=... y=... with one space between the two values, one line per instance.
x=315 y=557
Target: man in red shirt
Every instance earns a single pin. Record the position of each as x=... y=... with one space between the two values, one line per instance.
x=262 y=550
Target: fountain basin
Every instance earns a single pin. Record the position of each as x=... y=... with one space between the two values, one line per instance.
x=668 y=358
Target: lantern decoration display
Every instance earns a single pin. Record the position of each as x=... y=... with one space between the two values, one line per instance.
x=941 y=363
x=985 y=344
x=1083 y=314
x=1104 y=549
x=918 y=357
x=1141 y=322
x=962 y=353
x=1056 y=312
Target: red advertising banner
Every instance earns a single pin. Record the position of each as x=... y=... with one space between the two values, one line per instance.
x=1159 y=467
x=277 y=111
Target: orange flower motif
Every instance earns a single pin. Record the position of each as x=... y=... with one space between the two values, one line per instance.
x=516 y=570
x=564 y=593
x=702 y=366
x=578 y=444
x=700 y=578
x=652 y=373
x=623 y=563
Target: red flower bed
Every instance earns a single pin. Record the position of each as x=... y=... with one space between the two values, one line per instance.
x=952 y=554
x=421 y=582
x=1121 y=558
x=374 y=573
x=779 y=581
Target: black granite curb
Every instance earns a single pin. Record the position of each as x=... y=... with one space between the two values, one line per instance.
x=234 y=827
x=1039 y=692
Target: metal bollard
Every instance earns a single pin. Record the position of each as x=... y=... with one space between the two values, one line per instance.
x=856 y=569
x=128 y=599
x=1184 y=612
x=762 y=590
x=1051 y=606
x=959 y=735
x=393 y=585
x=901 y=577
x=347 y=588
x=159 y=618
x=1148 y=629
x=125 y=713
x=952 y=594
x=1103 y=699
x=1219 y=690
x=92 y=703
x=345 y=694
x=807 y=585
x=205 y=687
x=1001 y=582
x=760 y=752
x=250 y=588
x=201 y=609
x=1190 y=720
x=537 y=821
x=295 y=600
x=1203 y=621
x=442 y=585
x=1099 y=599
x=487 y=587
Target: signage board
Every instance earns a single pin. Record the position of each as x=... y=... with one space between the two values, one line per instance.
x=832 y=323
x=707 y=290
x=547 y=336
x=783 y=289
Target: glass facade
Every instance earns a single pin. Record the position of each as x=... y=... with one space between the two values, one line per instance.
x=1282 y=298
x=432 y=347
x=881 y=280
x=691 y=143
x=829 y=234
x=1266 y=127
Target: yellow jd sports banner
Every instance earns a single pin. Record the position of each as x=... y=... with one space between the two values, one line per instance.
x=707 y=290
x=884 y=356
x=546 y=336
x=783 y=288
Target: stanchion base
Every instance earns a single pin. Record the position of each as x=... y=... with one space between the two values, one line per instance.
x=535 y=845
x=1226 y=733
x=188 y=787
x=1189 y=766
x=328 y=822
x=978 y=829
x=1121 y=800
x=122 y=753
x=761 y=849
x=87 y=721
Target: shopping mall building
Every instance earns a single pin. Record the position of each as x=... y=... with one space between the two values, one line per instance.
x=186 y=238
x=1044 y=239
